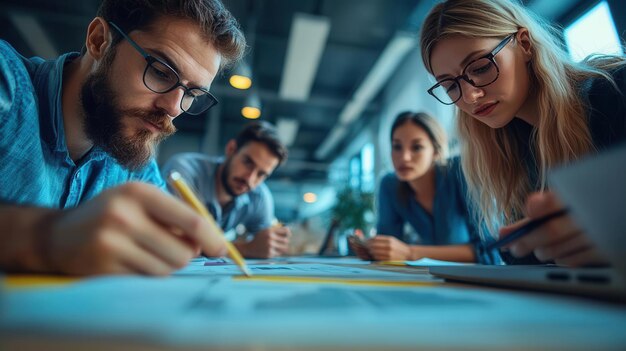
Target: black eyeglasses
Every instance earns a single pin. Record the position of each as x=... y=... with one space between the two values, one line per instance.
x=160 y=78
x=479 y=73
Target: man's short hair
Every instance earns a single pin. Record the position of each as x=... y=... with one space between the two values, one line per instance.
x=262 y=132
x=218 y=25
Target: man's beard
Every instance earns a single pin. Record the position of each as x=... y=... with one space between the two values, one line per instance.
x=224 y=179
x=103 y=121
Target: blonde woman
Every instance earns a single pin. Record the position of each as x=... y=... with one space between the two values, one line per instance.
x=427 y=191
x=523 y=108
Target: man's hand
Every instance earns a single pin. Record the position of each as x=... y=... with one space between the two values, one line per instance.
x=388 y=248
x=268 y=243
x=560 y=239
x=134 y=228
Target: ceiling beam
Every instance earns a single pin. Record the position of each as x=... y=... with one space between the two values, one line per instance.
x=271 y=96
x=298 y=165
x=287 y=129
x=307 y=41
x=401 y=44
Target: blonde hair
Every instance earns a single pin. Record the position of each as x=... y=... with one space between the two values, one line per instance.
x=498 y=180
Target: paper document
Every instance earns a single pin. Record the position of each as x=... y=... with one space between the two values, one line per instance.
x=422 y=262
x=428 y=262
x=327 y=260
x=300 y=270
x=287 y=259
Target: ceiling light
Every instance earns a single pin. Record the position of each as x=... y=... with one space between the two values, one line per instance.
x=240 y=82
x=241 y=77
x=251 y=112
x=307 y=41
x=252 y=107
x=287 y=129
x=309 y=198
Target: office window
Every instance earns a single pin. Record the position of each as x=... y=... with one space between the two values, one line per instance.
x=367 y=168
x=593 y=33
x=355 y=172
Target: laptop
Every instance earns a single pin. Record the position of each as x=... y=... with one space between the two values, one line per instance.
x=595 y=191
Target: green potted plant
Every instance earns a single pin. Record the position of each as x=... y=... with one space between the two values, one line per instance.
x=354 y=210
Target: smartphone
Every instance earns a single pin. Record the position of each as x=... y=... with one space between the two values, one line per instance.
x=359 y=244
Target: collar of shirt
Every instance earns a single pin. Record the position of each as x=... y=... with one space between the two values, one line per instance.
x=223 y=216
x=48 y=83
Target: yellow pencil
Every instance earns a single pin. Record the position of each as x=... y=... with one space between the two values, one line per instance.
x=189 y=197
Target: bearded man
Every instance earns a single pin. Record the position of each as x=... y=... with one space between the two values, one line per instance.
x=81 y=192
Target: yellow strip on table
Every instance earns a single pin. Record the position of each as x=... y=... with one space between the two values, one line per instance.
x=14 y=282
x=321 y=280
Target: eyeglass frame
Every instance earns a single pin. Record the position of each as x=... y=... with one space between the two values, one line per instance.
x=150 y=60
x=490 y=56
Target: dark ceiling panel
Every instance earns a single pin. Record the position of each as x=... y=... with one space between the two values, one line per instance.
x=66 y=37
x=342 y=68
x=275 y=16
x=72 y=7
x=269 y=59
x=369 y=23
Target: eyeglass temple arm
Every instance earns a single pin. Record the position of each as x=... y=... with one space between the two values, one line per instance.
x=141 y=51
x=502 y=44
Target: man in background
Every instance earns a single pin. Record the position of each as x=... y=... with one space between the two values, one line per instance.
x=233 y=188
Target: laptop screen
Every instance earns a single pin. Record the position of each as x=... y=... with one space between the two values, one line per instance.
x=595 y=191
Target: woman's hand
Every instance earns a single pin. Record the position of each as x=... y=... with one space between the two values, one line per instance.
x=359 y=247
x=388 y=248
x=560 y=239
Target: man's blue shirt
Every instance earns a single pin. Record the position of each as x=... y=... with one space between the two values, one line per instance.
x=254 y=209
x=35 y=165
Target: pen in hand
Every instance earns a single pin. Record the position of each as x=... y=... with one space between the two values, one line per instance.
x=526 y=229
x=188 y=196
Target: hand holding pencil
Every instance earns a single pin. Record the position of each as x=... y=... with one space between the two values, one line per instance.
x=550 y=233
x=134 y=228
x=188 y=196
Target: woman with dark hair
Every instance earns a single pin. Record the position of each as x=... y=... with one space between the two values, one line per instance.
x=427 y=191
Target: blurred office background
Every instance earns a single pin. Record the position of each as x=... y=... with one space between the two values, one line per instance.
x=330 y=74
